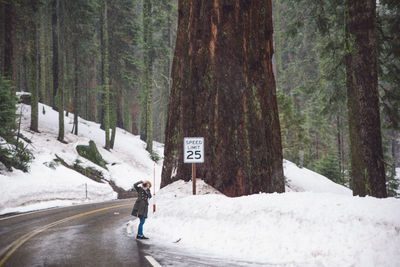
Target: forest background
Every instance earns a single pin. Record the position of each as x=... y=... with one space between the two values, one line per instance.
x=110 y=62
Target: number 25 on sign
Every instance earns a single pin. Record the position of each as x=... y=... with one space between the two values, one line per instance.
x=193 y=148
x=193 y=152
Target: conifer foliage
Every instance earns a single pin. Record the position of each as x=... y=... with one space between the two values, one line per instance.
x=8 y=108
x=324 y=64
x=13 y=153
x=92 y=58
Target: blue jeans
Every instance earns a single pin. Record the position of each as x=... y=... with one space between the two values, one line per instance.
x=142 y=220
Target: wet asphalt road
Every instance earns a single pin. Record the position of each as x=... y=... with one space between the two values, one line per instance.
x=57 y=239
x=89 y=235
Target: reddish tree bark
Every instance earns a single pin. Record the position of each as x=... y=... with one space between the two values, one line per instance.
x=367 y=170
x=224 y=90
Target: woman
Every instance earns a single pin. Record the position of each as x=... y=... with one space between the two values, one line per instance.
x=141 y=205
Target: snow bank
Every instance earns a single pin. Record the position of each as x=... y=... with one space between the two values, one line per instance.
x=128 y=161
x=305 y=180
x=45 y=187
x=295 y=229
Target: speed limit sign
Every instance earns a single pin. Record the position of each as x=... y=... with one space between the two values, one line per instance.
x=193 y=150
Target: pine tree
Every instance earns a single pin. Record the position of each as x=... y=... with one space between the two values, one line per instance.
x=328 y=167
x=7 y=109
x=62 y=66
x=367 y=171
x=9 y=40
x=295 y=142
x=113 y=116
x=147 y=117
x=15 y=155
x=308 y=75
x=58 y=92
x=389 y=84
x=105 y=74
x=76 y=89
x=164 y=19
x=125 y=61
x=35 y=69
x=42 y=53
x=80 y=24
x=389 y=60
x=54 y=23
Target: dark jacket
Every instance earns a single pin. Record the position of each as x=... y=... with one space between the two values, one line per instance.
x=141 y=205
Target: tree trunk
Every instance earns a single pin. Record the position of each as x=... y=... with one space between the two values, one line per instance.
x=340 y=145
x=55 y=51
x=62 y=67
x=25 y=70
x=120 y=108
x=61 y=108
x=35 y=85
x=147 y=120
x=9 y=40
x=167 y=36
x=143 y=118
x=223 y=89
x=42 y=59
x=113 y=115
x=105 y=79
x=133 y=113
x=48 y=58
x=367 y=170
x=92 y=87
x=100 y=110
x=76 y=90
x=394 y=150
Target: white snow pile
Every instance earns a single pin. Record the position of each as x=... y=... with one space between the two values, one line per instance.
x=49 y=185
x=303 y=180
x=331 y=228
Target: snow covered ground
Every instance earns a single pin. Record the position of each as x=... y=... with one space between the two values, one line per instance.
x=303 y=180
x=321 y=227
x=45 y=187
x=315 y=223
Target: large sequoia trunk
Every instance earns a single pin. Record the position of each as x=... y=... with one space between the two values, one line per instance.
x=367 y=170
x=224 y=90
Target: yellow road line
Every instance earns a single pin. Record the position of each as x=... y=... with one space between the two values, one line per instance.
x=20 y=241
x=12 y=244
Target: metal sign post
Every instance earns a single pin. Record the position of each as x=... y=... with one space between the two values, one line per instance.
x=154 y=189
x=194 y=177
x=193 y=152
